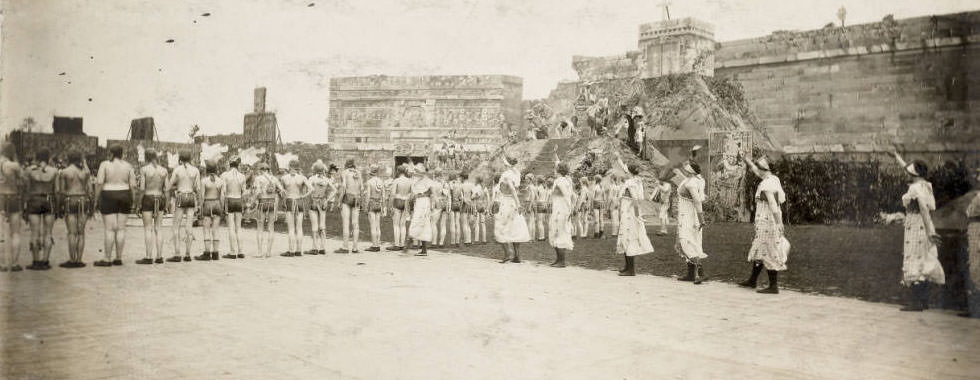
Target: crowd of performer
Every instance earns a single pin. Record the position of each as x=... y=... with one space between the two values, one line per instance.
x=425 y=209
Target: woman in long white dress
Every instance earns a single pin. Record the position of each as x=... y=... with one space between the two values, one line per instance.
x=920 y=265
x=632 y=240
x=509 y=226
x=560 y=222
x=421 y=227
x=690 y=222
x=769 y=247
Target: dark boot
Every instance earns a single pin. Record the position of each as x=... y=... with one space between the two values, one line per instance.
x=698 y=274
x=557 y=256
x=560 y=263
x=773 y=283
x=424 y=250
x=206 y=256
x=517 y=257
x=214 y=255
x=915 y=299
x=630 y=267
x=701 y=272
x=690 y=273
x=752 y=281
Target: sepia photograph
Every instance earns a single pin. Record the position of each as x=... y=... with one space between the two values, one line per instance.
x=489 y=189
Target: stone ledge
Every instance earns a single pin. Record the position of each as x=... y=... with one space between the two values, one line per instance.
x=853 y=51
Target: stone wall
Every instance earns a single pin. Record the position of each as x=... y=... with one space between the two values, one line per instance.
x=27 y=144
x=859 y=89
x=381 y=109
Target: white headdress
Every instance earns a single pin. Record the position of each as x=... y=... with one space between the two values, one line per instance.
x=173 y=159
x=212 y=153
x=284 y=159
x=250 y=156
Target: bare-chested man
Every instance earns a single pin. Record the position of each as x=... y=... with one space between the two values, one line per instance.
x=440 y=208
x=466 y=209
x=298 y=188
x=73 y=186
x=153 y=186
x=351 y=186
x=40 y=210
x=211 y=190
x=267 y=189
x=114 y=193
x=401 y=191
x=11 y=185
x=323 y=189
x=184 y=183
x=374 y=195
x=234 y=204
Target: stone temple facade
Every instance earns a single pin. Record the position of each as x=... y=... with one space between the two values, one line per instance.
x=388 y=120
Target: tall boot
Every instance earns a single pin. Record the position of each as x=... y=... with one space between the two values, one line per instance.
x=915 y=298
x=561 y=258
x=517 y=257
x=557 y=256
x=630 y=267
x=752 y=281
x=690 y=273
x=424 y=249
x=698 y=274
x=773 y=283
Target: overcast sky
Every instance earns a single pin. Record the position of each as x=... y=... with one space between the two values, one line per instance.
x=118 y=66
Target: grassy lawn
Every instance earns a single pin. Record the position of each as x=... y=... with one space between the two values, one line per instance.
x=848 y=261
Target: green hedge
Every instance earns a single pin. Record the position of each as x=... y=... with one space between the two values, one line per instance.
x=834 y=191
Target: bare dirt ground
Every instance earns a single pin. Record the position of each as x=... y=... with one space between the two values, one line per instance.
x=383 y=315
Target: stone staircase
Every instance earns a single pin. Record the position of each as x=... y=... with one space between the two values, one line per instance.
x=544 y=162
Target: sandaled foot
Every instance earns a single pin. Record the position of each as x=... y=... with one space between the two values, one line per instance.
x=103 y=263
x=174 y=259
x=79 y=264
x=4 y=269
x=421 y=254
x=340 y=250
x=229 y=256
x=286 y=254
x=117 y=262
x=206 y=256
x=627 y=274
x=769 y=290
x=187 y=258
x=747 y=284
x=558 y=265
x=241 y=256
x=504 y=261
x=515 y=260
x=159 y=260
x=373 y=249
x=16 y=268
x=144 y=261
x=66 y=264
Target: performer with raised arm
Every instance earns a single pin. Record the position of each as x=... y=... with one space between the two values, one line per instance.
x=690 y=222
x=769 y=247
x=323 y=188
x=633 y=240
x=232 y=198
x=267 y=189
x=12 y=185
x=374 y=195
x=560 y=223
x=920 y=264
x=41 y=210
x=481 y=198
x=73 y=185
x=297 y=188
x=114 y=197
x=509 y=227
x=441 y=203
x=184 y=183
x=351 y=186
x=421 y=227
x=153 y=204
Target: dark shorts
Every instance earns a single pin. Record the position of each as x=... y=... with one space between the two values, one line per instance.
x=399 y=204
x=295 y=204
x=186 y=200
x=350 y=200
x=374 y=205
x=76 y=204
x=267 y=204
x=596 y=205
x=10 y=203
x=457 y=206
x=115 y=202
x=152 y=204
x=39 y=205
x=543 y=207
x=212 y=208
x=234 y=205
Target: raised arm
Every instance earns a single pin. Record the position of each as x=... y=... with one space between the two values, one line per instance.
x=751 y=166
